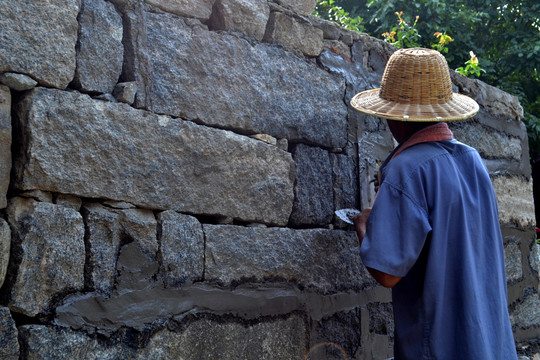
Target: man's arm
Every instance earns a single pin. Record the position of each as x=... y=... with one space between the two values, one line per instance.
x=382 y=278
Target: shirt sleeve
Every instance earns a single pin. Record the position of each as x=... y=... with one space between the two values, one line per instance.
x=397 y=229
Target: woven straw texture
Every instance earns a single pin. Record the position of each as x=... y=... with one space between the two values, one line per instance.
x=416 y=86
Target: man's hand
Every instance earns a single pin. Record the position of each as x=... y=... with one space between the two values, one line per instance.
x=360 y=221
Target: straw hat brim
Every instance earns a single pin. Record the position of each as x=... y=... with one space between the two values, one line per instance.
x=459 y=107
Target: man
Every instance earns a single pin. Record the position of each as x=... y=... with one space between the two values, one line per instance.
x=433 y=233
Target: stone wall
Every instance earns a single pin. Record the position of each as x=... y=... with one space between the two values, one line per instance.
x=169 y=171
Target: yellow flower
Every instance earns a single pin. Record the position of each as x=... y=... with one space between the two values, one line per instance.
x=445 y=39
x=474 y=59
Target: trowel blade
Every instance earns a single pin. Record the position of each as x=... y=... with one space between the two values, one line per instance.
x=347 y=214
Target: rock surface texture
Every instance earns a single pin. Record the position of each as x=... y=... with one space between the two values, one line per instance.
x=169 y=172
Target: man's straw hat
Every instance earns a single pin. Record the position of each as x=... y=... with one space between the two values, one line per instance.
x=416 y=86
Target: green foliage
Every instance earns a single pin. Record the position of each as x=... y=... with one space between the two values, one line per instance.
x=471 y=67
x=327 y=9
x=442 y=45
x=404 y=35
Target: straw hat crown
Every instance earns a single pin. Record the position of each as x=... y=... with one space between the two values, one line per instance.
x=416 y=86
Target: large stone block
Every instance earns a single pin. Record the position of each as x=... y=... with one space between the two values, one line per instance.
x=345 y=181
x=488 y=142
x=301 y=6
x=210 y=339
x=48 y=254
x=99 y=47
x=102 y=244
x=200 y=9
x=5 y=143
x=182 y=248
x=202 y=339
x=534 y=258
x=313 y=201
x=515 y=200
x=527 y=313
x=49 y=343
x=514 y=268
x=247 y=16
x=38 y=38
x=9 y=343
x=89 y=148
x=222 y=80
x=336 y=337
x=294 y=34
x=5 y=245
x=325 y=260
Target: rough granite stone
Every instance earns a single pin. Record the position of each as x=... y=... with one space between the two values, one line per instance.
x=515 y=200
x=38 y=39
x=95 y=149
x=5 y=143
x=203 y=339
x=247 y=16
x=125 y=92
x=51 y=343
x=339 y=48
x=302 y=6
x=271 y=340
x=381 y=318
x=534 y=257
x=294 y=34
x=9 y=343
x=331 y=30
x=321 y=259
x=527 y=313
x=17 y=82
x=345 y=181
x=5 y=245
x=38 y=195
x=68 y=200
x=200 y=9
x=314 y=200
x=102 y=245
x=48 y=254
x=489 y=143
x=118 y=204
x=99 y=47
x=514 y=270
x=222 y=80
x=182 y=248
x=336 y=337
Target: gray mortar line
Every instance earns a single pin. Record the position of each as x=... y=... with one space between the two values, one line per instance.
x=139 y=308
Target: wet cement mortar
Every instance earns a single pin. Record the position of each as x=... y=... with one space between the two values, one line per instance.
x=138 y=309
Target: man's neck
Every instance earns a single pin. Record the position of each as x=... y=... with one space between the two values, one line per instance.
x=402 y=130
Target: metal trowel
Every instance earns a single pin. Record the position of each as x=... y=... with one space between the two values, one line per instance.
x=347 y=214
